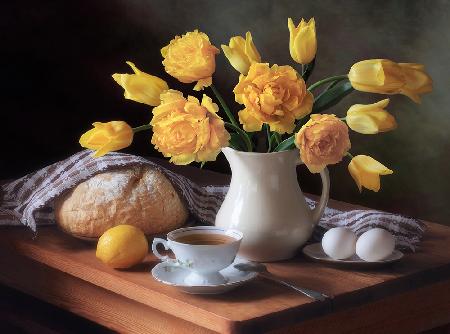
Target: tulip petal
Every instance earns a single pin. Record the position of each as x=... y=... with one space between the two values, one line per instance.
x=210 y=105
x=250 y=49
x=416 y=81
x=202 y=83
x=361 y=123
x=249 y=122
x=305 y=108
x=182 y=159
x=355 y=173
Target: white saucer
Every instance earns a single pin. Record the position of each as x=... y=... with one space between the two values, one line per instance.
x=315 y=252
x=170 y=274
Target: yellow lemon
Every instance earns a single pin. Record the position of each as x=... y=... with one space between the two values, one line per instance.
x=122 y=246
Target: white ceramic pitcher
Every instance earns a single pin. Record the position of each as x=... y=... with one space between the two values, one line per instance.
x=266 y=203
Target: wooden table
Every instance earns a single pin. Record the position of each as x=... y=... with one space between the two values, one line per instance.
x=410 y=296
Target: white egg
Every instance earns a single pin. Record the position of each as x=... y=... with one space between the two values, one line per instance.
x=339 y=243
x=375 y=245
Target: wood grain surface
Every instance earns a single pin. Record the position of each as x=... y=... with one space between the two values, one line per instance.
x=413 y=293
x=63 y=270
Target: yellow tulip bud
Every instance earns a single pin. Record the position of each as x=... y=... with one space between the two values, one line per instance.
x=107 y=137
x=386 y=77
x=370 y=118
x=191 y=58
x=241 y=53
x=140 y=86
x=366 y=172
x=302 y=41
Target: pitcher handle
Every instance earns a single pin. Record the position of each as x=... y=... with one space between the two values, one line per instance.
x=318 y=211
x=320 y=207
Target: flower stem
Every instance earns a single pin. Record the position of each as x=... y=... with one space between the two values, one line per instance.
x=231 y=118
x=243 y=135
x=142 y=128
x=324 y=81
x=224 y=106
x=269 y=142
x=349 y=155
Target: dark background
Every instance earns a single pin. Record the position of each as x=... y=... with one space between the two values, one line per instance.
x=58 y=57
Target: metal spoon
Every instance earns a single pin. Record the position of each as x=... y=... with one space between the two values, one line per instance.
x=263 y=272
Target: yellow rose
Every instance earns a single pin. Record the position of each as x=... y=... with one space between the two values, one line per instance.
x=107 y=137
x=302 y=41
x=185 y=130
x=386 y=77
x=140 y=86
x=241 y=53
x=370 y=118
x=322 y=141
x=366 y=172
x=190 y=58
x=272 y=95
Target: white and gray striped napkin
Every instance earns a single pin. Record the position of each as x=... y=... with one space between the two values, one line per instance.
x=29 y=200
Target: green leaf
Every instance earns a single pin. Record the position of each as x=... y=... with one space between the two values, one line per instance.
x=331 y=85
x=308 y=69
x=202 y=164
x=285 y=145
x=276 y=137
x=332 y=97
x=244 y=136
x=236 y=142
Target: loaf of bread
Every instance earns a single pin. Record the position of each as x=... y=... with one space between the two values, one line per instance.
x=139 y=196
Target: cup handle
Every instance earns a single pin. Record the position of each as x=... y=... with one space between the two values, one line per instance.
x=155 y=243
x=321 y=206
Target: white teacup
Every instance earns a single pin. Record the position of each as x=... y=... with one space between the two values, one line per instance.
x=192 y=251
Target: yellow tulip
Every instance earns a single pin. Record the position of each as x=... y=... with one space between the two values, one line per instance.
x=186 y=130
x=107 y=137
x=322 y=141
x=272 y=95
x=383 y=76
x=191 y=58
x=366 y=172
x=370 y=118
x=302 y=41
x=140 y=86
x=241 y=53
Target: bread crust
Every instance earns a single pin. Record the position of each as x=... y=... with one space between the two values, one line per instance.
x=140 y=196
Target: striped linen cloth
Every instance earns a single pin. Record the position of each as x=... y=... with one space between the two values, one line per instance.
x=29 y=200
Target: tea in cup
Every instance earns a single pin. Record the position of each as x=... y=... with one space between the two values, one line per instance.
x=203 y=250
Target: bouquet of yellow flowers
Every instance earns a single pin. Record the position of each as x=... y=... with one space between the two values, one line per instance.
x=275 y=101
